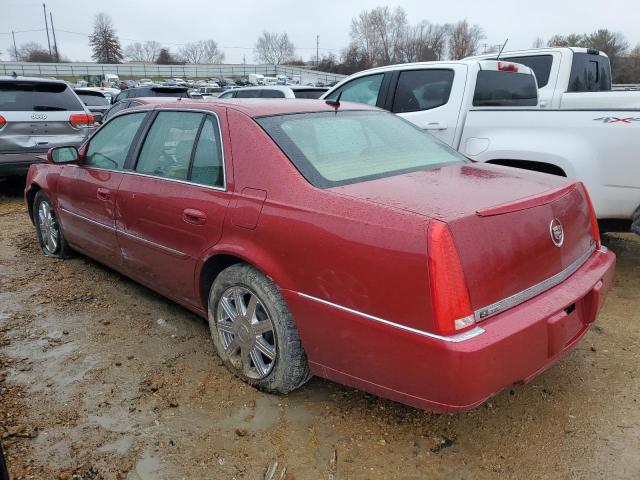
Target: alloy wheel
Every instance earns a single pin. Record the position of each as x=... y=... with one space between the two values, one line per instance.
x=49 y=232
x=246 y=332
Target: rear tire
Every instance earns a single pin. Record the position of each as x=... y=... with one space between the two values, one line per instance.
x=253 y=331
x=50 y=236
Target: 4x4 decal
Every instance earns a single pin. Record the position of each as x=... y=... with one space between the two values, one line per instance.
x=617 y=120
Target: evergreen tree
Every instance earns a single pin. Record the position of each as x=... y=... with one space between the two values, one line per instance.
x=104 y=41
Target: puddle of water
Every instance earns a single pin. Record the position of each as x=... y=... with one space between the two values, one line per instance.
x=119 y=447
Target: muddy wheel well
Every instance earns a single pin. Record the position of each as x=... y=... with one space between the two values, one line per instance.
x=529 y=165
x=30 y=197
x=211 y=269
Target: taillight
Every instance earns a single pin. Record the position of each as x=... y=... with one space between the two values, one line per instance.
x=592 y=213
x=3 y=121
x=507 y=67
x=449 y=294
x=80 y=120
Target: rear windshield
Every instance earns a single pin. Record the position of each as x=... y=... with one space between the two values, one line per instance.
x=37 y=96
x=540 y=64
x=505 y=89
x=590 y=73
x=308 y=93
x=331 y=149
x=93 y=100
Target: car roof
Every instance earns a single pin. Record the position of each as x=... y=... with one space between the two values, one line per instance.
x=152 y=100
x=261 y=107
x=19 y=78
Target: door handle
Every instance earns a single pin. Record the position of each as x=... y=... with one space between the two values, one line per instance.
x=103 y=194
x=195 y=217
x=436 y=126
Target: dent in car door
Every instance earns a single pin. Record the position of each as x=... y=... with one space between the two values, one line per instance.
x=172 y=206
x=431 y=98
x=86 y=193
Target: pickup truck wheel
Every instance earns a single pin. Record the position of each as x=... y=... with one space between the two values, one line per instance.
x=253 y=331
x=50 y=234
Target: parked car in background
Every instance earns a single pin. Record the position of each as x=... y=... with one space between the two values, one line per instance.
x=35 y=115
x=180 y=82
x=274 y=91
x=256 y=79
x=95 y=101
x=145 y=82
x=572 y=78
x=460 y=280
x=207 y=91
x=153 y=91
x=488 y=110
x=135 y=102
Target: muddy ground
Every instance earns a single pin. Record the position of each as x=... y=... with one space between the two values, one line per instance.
x=101 y=378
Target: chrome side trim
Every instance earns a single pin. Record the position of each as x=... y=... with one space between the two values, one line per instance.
x=164 y=248
x=460 y=337
x=521 y=297
x=87 y=219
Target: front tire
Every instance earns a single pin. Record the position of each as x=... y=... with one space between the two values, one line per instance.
x=50 y=236
x=253 y=331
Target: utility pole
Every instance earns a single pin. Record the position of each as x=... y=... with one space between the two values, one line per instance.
x=317 y=50
x=15 y=49
x=55 y=42
x=46 y=26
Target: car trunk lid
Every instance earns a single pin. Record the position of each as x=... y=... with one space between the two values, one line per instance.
x=501 y=220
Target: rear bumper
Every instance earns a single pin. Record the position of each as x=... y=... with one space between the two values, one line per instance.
x=436 y=374
x=18 y=163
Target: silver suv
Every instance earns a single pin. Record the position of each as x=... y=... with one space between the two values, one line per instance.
x=35 y=115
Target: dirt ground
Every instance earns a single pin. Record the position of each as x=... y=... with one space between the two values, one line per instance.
x=100 y=378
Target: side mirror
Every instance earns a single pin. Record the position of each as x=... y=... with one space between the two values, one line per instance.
x=62 y=155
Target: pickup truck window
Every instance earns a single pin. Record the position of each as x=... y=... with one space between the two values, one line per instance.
x=422 y=90
x=331 y=149
x=361 y=90
x=589 y=73
x=540 y=64
x=505 y=89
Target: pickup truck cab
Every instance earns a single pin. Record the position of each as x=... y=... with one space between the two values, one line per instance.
x=488 y=110
x=571 y=78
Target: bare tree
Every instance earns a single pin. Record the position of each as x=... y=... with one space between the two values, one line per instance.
x=464 y=40
x=31 y=52
x=538 y=43
x=381 y=35
x=142 y=52
x=274 y=48
x=104 y=41
x=203 y=51
x=571 y=40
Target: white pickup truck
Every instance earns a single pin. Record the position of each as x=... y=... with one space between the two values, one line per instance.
x=571 y=78
x=488 y=110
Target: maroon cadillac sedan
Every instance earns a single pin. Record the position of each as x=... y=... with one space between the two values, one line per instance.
x=335 y=240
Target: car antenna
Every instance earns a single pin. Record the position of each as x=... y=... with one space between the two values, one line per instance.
x=502 y=48
x=335 y=103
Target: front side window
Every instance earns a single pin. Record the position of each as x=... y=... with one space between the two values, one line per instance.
x=167 y=149
x=361 y=90
x=247 y=94
x=110 y=146
x=331 y=149
x=505 y=89
x=207 y=161
x=272 y=94
x=226 y=95
x=422 y=90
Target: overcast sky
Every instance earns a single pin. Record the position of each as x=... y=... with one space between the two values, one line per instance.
x=235 y=25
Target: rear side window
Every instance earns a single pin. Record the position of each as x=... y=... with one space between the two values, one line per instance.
x=540 y=64
x=422 y=90
x=169 y=143
x=314 y=94
x=37 y=96
x=589 y=73
x=110 y=146
x=207 y=161
x=272 y=94
x=93 y=100
x=247 y=94
x=505 y=89
x=361 y=90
